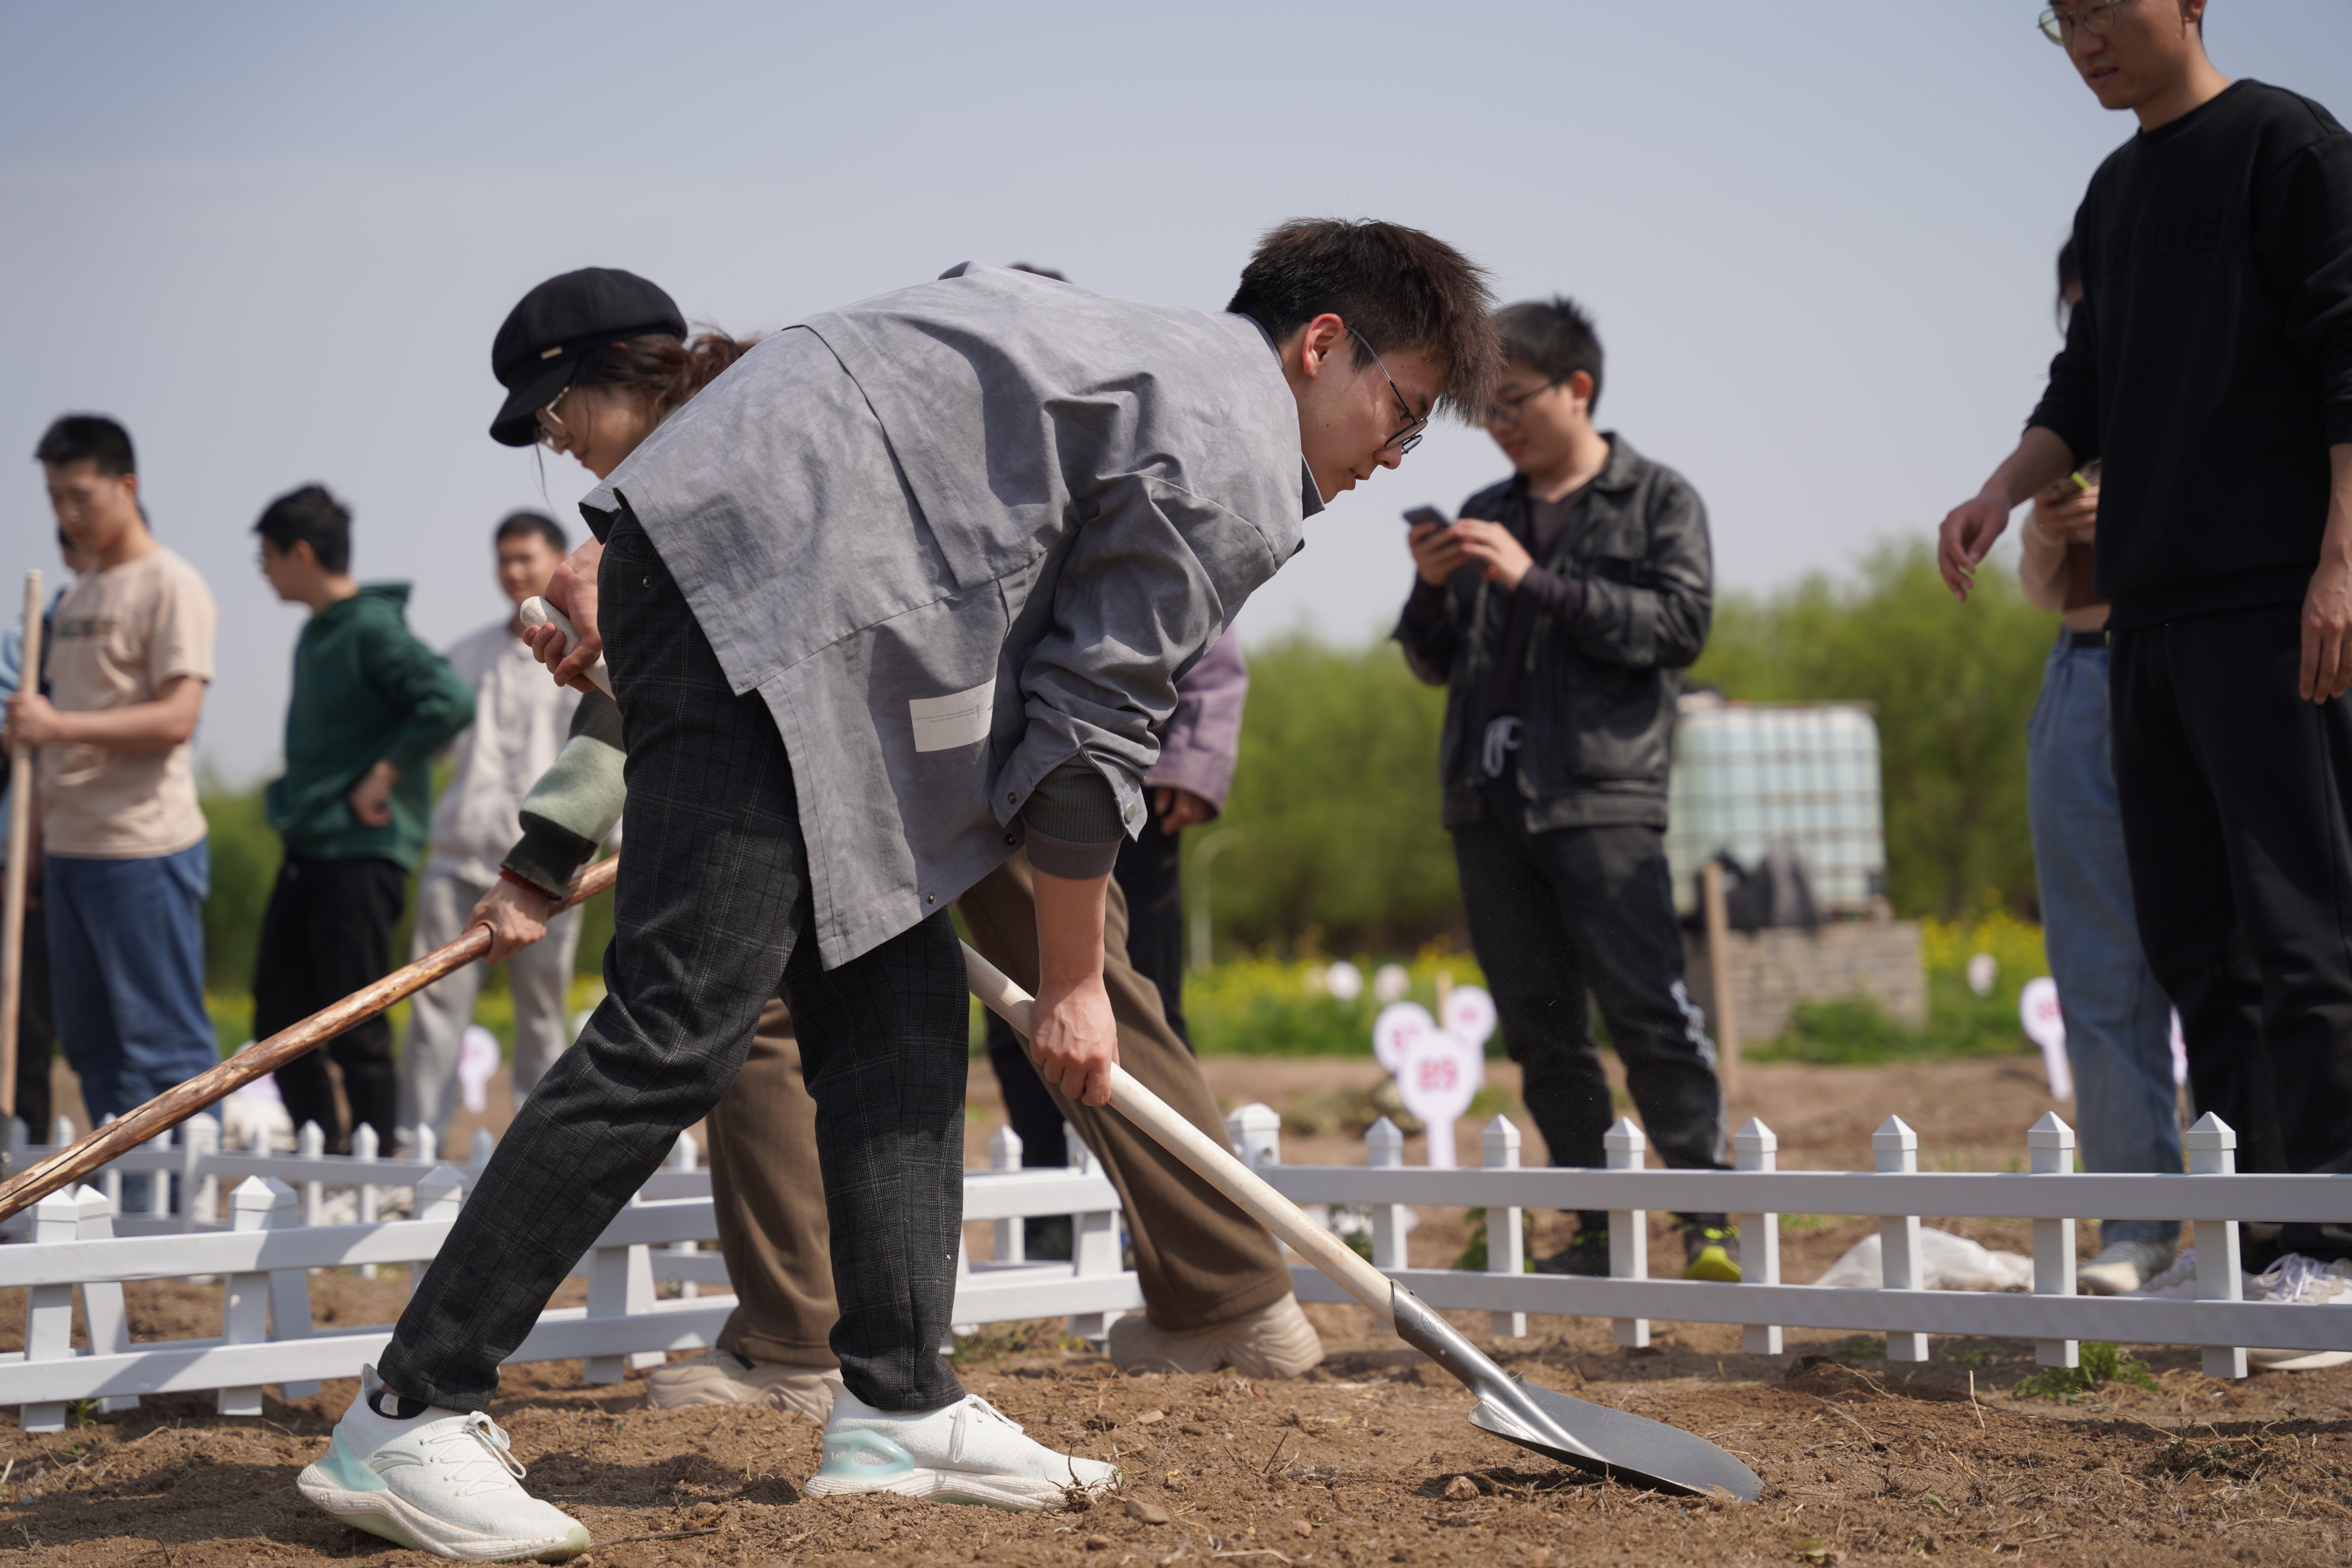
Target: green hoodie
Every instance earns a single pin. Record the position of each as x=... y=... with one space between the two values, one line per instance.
x=365 y=691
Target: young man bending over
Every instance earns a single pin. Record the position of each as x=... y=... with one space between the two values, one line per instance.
x=906 y=590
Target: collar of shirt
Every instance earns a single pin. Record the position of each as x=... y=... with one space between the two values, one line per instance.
x=1311 y=499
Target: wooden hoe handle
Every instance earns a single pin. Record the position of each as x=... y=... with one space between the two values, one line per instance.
x=103 y=1145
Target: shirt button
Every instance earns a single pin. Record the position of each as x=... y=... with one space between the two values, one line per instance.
x=1013 y=838
x=1011 y=798
x=930 y=897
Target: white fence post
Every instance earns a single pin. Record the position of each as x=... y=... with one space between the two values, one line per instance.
x=364 y=1150
x=199 y=1195
x=1506 y=1228
x=1094 y=1240
x=311 y=1143
x=48 y=1308
x=1256 y=1131
x=683 y=1157
x=101 y=1299
x=244 y=1298
x=1012 y=1237
x=290 y=1288
x=424 y=1144
x=2051 y=1144
x=1757 y=1148
x=2212 y=1151
x=1897 y=1149
x=1384 y=1150
x=1629 y=1229
x=620 y=1285
x=159 y=1183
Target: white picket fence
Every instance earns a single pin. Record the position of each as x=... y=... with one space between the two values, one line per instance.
x=271 y=1237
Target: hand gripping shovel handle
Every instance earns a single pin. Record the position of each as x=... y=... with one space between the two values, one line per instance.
x=1590 y=1436
x=102 y=1145
x=536 y=612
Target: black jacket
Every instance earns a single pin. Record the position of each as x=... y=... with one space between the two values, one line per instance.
x=1602 y=680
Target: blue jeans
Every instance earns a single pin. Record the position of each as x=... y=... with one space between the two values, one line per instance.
x=2119 y=1019
x=127 y=967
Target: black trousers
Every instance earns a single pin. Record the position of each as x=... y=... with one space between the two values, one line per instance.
x=709 y=919
x=2233 y=793
x=36 y=1029
x=326 y=934
x=1563 y=917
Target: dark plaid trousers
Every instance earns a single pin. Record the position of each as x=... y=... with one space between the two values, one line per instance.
x=710 y=912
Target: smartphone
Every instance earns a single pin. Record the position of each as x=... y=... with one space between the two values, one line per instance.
x=1422 y=514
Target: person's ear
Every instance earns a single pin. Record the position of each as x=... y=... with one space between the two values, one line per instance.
x=1318 y=340
x=302 y=554
x=1579 y=389
x=131 y=487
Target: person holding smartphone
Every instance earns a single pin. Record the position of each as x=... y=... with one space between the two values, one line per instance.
x=1558 y=611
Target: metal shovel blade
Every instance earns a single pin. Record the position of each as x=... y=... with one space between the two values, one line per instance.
x=1610 y=1443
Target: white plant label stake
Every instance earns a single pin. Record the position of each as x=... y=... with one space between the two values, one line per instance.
x=1470 y=1013
x=477 y=1063
x=2045 y=1025
x=1399 y=1025
x=1439 y=1077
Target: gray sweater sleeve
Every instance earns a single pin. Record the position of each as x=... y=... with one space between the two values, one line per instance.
x=1071 y=822
x=573 y=807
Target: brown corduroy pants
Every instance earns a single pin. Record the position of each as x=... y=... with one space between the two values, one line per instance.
x=1200 y=1260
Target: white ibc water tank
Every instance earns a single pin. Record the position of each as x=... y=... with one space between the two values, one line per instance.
x=1750 y=777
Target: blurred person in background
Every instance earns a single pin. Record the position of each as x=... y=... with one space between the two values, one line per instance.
x=2119 y=1019
x=37 y=1030
x=2209 y=368
x=520 y=721
x=1557 y=612
x=125 y=865
x=370 y=706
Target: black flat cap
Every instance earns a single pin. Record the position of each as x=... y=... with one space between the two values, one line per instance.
x=558 y=322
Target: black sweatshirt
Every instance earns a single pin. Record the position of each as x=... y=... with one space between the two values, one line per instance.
x=2209 y=363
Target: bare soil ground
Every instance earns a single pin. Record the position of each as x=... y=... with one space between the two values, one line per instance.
x=1367 y=1460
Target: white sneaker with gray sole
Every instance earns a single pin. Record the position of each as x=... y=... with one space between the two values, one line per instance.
x=2125 y=1268
x=723 y=1377
x=441 y=1481
x=966 y=1452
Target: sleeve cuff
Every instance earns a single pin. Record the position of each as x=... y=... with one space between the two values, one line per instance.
x=1562 y=598
x=548 y=856
x=1075 y=862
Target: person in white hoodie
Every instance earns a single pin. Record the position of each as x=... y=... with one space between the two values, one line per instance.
x=520 y=720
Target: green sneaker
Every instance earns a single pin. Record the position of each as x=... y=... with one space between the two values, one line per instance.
x=1706 y=1252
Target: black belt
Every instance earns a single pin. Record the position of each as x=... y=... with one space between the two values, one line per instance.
x=2087 y=639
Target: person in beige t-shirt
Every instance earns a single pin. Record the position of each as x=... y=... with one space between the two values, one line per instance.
x=125 y=865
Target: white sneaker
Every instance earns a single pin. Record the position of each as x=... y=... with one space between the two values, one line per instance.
x=723 y=1377
x=966 y=1452
x=1275 y=1341
x=2125 y=1267
x=440 y=1482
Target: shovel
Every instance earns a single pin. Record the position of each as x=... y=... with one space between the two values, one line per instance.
x=1592 y=1437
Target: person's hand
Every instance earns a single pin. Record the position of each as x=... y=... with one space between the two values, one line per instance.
x=517 y=917
x=1179 y=809
x=572 y=590
x=1491 y=545
x=1077 y=1043
x=370 y=798
x=1968 y=534
x=2327 y=666
x=32 y=721
x=1436 y=553
x=2066 y=513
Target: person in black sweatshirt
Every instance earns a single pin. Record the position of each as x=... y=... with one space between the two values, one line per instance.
x=2210 y=368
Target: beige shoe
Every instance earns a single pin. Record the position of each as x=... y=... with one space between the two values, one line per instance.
x=723 y=1377
x=2296 y=1361
x=1275 y=1341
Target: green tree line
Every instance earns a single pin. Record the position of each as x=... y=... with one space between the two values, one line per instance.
x=1330 y=841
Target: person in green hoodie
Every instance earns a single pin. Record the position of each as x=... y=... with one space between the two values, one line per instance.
x=370 y=706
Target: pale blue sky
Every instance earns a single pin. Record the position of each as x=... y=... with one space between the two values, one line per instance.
x=276 y=239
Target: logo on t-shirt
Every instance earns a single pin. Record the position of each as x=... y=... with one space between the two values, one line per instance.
x=86 y=626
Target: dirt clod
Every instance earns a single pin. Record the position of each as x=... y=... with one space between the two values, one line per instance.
x=1145 y=1513
x=1461 y=1489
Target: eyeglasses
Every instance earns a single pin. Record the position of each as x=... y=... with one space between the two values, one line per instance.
x=1406 y=439
x=2097 y=17
x=1507 y=410
x=553 y=435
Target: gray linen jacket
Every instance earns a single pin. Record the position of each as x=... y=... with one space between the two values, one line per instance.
x=958 y=535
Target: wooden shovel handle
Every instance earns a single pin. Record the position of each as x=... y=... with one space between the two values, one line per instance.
x=1215 y=1162
x=102 y=1145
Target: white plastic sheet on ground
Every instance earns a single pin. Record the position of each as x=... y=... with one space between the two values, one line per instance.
x=1948 y=1262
